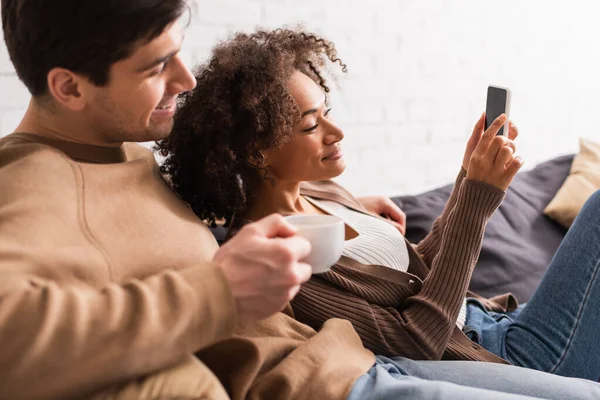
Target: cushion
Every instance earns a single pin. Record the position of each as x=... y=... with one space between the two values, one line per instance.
x=519 y=241
x=219 y=232
x=581 y=183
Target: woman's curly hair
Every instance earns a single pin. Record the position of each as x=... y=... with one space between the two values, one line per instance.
x=241 y=104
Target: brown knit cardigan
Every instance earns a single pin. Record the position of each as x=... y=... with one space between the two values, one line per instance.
x=413 y=313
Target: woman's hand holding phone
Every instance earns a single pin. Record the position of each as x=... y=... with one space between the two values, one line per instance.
x=490 y=158
x=478 y=130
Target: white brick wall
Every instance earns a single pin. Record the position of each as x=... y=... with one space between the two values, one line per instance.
x=418 y=76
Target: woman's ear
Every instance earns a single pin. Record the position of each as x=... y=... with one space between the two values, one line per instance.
x=257 y=159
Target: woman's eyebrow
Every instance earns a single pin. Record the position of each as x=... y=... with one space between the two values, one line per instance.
x=312 y=110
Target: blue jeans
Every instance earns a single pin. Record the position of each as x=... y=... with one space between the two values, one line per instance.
x=558 y=330
x=401 y=378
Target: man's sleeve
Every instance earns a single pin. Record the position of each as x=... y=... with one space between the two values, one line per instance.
x=59 y=334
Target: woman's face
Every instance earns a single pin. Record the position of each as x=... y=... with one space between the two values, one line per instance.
x=314 y=150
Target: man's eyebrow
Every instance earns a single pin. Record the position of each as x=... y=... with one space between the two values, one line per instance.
x=162 y=59
x=158 y=61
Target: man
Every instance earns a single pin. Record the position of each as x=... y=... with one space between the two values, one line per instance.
x=109 y=283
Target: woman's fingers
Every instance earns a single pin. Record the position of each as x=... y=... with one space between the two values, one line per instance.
x=494 y=148
x=506 y=164
x=494 y=160
x=473 y=141
x=505 y=154
x=498 y=165
x=478 y=128
x=514 y=165
x=489 y=135
x=513 y=131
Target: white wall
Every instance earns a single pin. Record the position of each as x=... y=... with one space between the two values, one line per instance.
x=418 y=72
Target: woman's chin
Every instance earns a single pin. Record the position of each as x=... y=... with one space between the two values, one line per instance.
x=339 y=169
x=323 y=174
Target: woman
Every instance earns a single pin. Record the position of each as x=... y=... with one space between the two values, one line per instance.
x=255 y=137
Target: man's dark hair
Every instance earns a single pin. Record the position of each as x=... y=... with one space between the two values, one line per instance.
x=85 y=37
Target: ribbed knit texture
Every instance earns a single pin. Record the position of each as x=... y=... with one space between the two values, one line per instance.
x=377 y=243
x=428 y=247
x=410 y=314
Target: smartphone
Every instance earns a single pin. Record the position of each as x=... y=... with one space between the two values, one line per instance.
x=498 y=102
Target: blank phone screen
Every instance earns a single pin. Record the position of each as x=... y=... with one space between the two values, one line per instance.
x=496 y=105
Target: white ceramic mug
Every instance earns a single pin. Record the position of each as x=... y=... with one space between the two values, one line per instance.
x=326 y=234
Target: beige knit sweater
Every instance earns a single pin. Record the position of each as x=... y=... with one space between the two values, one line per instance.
x=106 y=276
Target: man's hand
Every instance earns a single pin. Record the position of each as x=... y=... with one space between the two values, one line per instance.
x=513 y=132
x=385 y=207
x=262 y=265
x=493 y=160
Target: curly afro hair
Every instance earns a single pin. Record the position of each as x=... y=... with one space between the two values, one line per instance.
x=241 y=104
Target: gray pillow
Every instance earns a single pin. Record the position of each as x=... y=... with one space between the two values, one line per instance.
x=519 y=240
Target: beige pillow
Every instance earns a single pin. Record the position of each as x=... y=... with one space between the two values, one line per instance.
x=582 y=182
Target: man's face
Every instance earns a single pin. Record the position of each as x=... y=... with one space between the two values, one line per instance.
x=139 y=102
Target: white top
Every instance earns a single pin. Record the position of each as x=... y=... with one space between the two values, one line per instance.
x=377 y=243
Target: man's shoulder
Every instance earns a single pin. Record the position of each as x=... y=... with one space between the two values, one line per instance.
x=21 y=159
x=17 y=149
x=136 y=150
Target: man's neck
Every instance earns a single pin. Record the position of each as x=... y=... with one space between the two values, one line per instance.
x=44 y=123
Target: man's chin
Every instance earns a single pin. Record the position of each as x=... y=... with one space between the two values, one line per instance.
x=158 y=132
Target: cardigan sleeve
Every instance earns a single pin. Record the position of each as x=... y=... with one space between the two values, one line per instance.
x=420 y=325
x=429 y=246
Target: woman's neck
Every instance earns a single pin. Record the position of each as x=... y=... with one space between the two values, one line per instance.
x=282 y=198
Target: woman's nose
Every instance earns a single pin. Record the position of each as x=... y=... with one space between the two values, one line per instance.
x=333 y=133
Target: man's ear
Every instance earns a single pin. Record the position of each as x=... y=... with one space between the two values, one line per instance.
x=67 y=88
